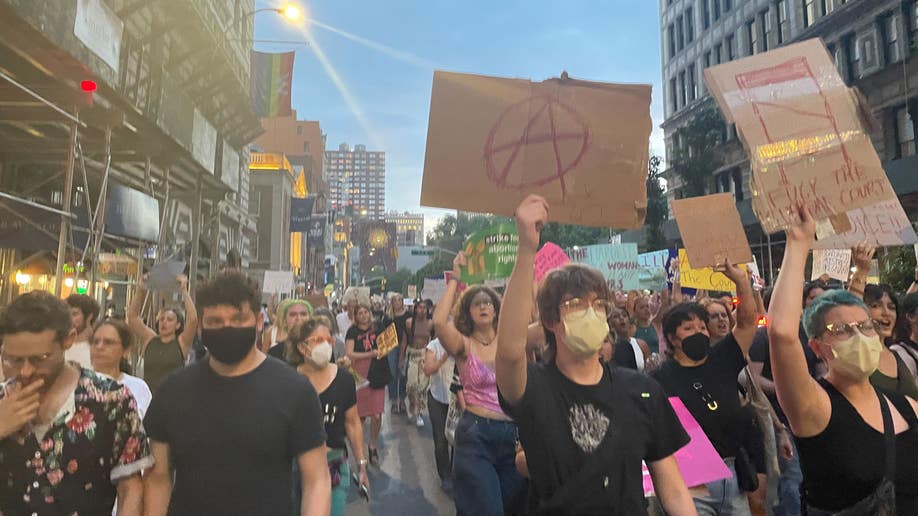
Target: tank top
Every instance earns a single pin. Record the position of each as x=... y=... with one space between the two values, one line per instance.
x=479 y=384
x=845 y=463
x=160 y=359
x=649 y=335
x=420 y=333
x=903 y=384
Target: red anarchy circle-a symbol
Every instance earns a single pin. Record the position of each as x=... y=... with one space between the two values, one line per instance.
x=549 y=122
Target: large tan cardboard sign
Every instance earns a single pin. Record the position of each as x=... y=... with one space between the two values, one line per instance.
x=803 y=131
x=582 y=145
x=711 y=230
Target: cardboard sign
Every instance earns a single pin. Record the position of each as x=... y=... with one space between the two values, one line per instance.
x=162 y=276
x=317 y=301
x=412 y=291
x=804 y=133
x=653 y=272
x=711 y=230
x=490 y=254
x=617 y=262
x=882 y=224
x=834 y=262
x=434 y=288
x=278 y=282
x=704 y=278
x=549 y=257
x=386 y=341
x=698 y=461
x=582 y=145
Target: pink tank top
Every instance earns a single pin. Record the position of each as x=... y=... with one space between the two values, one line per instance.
x=479 y=384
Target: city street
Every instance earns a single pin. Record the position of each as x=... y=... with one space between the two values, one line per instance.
x=406 y=482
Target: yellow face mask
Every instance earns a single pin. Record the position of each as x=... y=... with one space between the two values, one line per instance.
x=584 y=332
x=858 y=356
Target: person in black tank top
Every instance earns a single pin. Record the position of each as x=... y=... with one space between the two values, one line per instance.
x=838 y=422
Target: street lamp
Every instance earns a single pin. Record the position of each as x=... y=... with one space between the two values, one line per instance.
x=292 y=12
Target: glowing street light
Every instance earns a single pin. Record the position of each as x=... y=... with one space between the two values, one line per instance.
x=292 y=12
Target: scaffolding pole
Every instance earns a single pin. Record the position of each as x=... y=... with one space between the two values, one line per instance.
x=196 y=235
x=65 y=219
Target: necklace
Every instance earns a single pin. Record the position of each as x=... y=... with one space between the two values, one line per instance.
x=482 y=342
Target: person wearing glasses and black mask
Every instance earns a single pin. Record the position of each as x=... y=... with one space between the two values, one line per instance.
x=585 y=426
x=703 y=374
x=858 y=446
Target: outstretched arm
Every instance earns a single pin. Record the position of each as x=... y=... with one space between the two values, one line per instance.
x=512 y=328
x=861 y=256
x=746 y=317
x=186 y=339
x=799 y=395
x=450 y=338
x=140 y=330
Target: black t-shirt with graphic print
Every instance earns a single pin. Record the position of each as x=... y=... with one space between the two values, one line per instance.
x=710 y=392
x=562 y=423
x=340 y=395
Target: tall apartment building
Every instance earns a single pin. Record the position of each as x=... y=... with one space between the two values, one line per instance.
x=872 y=41
x=409 y=227
x=356 y=181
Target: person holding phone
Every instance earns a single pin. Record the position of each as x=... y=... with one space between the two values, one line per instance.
x=311 y=353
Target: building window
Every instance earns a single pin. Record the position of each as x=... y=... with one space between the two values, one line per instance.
x=764 y=30
x=783 y=24
x=680 y=34
x=728 y=4
x=673 y=95
x=912 y=22
x=718 y=53
x=683 y=94
x=731 y=47
x=852 y=59
x=809 y=12
x=707 y=59
x=716 y=9
x=689 y=24
x=306 y=147
x=705 y=14
x=693 y=84
x=905 y=133
x=891 y=38
x=752 y=37
x=868 y=55
x=299 y=129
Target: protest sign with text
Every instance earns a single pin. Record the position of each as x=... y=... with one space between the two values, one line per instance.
x=490 y=254
x=582 y=145
x=704 y=278
x=711 y=230
x=549 y=257
x=653 y=273
x=836 y=263
x=804 y=132
x=617 y=262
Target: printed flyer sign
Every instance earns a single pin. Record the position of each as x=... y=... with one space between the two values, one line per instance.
x=490 y=254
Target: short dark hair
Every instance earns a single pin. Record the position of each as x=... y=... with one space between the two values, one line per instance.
x=573 y=279
x=298 y=335
x=36 y=312
x=231 y=288
x=809 y=287
x=87 y=305
x=680 y=313
x=463 y=320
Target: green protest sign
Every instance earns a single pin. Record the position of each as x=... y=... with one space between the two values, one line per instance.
x=490 y=254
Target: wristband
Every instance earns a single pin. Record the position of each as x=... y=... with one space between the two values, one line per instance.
x=362 y=462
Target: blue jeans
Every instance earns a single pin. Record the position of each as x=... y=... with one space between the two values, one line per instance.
x=789 y=486
x=397 y=388
x=484 y=468
x=725 y=498
x=339 y=492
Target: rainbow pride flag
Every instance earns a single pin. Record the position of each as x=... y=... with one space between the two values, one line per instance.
x=270 y=81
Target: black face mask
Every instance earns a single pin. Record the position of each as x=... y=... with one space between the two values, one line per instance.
x=229 y=345
x=697 y=346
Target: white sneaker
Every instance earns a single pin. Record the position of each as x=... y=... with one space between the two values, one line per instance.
x=420 y=421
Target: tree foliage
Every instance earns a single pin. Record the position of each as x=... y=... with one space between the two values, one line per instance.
x=657 y=210
x=695 y=158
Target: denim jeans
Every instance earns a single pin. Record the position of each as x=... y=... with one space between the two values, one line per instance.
x=484 y=469
x=397 y=387
x=789 y=486
x=339 y=492
x=437 y=412
x=724 y=497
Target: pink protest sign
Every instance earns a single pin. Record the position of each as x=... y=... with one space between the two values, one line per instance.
x=550 y=256
x=698 y=461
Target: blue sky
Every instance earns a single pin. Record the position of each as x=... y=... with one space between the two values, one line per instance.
x=601 y=40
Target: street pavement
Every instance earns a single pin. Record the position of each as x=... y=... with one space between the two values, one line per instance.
x=406 y=482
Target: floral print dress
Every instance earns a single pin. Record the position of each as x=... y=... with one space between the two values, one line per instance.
x=96 y=439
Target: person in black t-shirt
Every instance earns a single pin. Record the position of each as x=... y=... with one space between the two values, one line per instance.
x=585 y=427
x=231 y=426
x=313 y=341
x=704 y=377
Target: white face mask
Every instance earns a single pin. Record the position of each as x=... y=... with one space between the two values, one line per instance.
x=585 y=332
x=858 y=356
x=321 y=354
